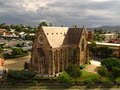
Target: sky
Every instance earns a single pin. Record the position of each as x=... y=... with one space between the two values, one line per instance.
x=90 y=13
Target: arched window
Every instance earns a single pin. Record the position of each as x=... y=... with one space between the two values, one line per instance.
x=82 y=45
x=35 y=59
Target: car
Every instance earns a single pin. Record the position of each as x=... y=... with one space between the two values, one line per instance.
x=82 y=67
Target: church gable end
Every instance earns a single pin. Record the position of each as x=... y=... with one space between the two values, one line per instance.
x=55 y=48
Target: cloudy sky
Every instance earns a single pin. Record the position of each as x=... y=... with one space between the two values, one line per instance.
x=90 y=13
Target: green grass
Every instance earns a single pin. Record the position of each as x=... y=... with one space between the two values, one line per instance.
x=86 y=76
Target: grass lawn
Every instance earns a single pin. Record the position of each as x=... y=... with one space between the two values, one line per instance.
x=86 y=76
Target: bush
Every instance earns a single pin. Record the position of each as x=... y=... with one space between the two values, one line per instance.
x=103 y=71
x=65 y=78
x=26 y=65
x=20 y=74
x=73 y=71
x=35 y=83
x=17 y=51
x=111 y=63
x=111 y=71
x=116 y=71
x=12 y=81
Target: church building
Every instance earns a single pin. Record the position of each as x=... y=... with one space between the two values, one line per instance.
x=55 y=48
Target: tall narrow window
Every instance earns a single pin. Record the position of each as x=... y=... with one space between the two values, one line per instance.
x=83 y=45
x=35 y=59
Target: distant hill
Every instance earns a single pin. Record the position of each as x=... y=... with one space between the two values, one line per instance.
x=112 y=28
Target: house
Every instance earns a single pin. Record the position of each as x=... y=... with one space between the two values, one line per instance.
x=90 y=34
x=108 y=37
x=55 y=48
x=1 y=61
x=2 y=32
x=117 y=41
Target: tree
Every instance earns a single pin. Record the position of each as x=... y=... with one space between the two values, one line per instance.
x=93 y=47
x=105 y=51
x=43 y=24
x=20 y=75
x=73 y=71
x=97 y=36
x=50 y=24
x=110 y=63
x=103 y=71
x=26 y=66
x=16 y=51
x=65 y=78
x=111 y=69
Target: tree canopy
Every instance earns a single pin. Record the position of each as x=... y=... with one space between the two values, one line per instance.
x=73 y=71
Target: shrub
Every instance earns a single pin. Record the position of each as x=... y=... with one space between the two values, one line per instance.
x=25 y=51
x=103 y=71
x=111 y=71
x=26 y=65
x=35 y=83
x=116 y=71
x=12 y=81
x=73 y=71
x=20 y=74
x=65 y=78
x=17 y=51
x=111 y=63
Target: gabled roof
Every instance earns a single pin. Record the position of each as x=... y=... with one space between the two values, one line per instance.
x=61 y=36
x=75 y=35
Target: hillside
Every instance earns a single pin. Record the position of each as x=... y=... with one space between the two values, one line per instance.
x=112 y=28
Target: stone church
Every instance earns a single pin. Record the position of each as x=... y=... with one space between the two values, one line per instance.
x=55 y=48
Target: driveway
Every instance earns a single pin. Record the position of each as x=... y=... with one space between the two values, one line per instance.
x=94 y=66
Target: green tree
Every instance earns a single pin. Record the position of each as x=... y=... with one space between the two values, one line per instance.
x=20 y=75
x=111 y=69
x=105 y=51
x=50 y=24
x=65 y=78
x=93 y=47
x=26 y=66
x=110 y=63
x=43 y=24
x=97 y=36
x=103 y=71
x=73 y=71
x=17 y=51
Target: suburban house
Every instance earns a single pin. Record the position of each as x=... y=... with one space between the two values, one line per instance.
x=90 y=34
x=54 y=48
x=108 y=37
x=117 y=41
x=2 y=32
x=1 y=61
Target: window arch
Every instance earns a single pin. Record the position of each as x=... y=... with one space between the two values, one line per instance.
x=83 y=44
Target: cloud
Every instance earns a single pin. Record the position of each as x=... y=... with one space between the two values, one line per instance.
x=68 y=13
x=100 y=0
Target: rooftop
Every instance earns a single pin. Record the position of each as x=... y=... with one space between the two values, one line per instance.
x=106 y=44
x=61 y=36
